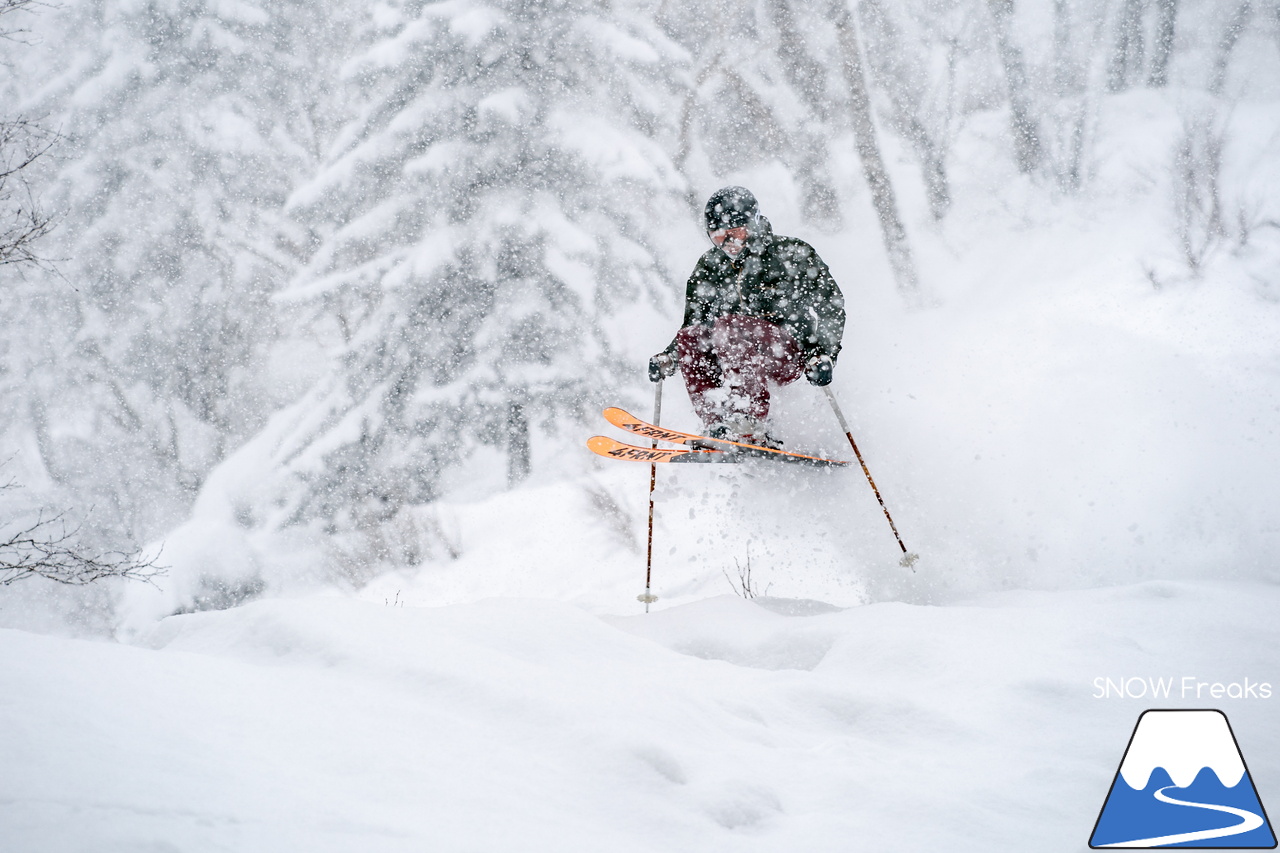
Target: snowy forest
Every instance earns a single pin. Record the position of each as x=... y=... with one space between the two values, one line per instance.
x=314 y=302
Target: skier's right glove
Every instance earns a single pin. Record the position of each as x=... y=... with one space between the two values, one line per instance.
x=819 y=370
x=661 y=366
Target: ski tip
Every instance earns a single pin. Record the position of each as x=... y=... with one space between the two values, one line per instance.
x=909 y=561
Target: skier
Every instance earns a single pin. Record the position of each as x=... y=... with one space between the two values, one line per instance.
x=759 y=308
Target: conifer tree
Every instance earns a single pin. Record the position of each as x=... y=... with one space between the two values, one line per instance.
x=184 y=127
x=483 y=216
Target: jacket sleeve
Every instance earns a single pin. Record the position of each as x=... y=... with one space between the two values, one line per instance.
x=695 y=304
x=829 y=326
x=817 y=312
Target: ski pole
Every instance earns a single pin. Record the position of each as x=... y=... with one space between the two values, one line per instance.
x=908 y=559
x=648 y=597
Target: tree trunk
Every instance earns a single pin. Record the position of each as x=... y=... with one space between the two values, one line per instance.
x=1127 y=57
x=864 y=135
x=518 y=462
x=1162 y=48
x=1197 y=181
x=1026 y=135
x=803 y=72
x=1227 y=44
x=936 y=185
x=687 y=117
x=808 y=77
x=1063 y=64
x=893 y=70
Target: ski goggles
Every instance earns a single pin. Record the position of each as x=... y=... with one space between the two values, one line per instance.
x=719 y=235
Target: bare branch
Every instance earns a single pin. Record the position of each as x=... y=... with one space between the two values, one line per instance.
x=10 y=6
x=48 y=548
x=22 y=143
x=22 y=222
x=745 y=587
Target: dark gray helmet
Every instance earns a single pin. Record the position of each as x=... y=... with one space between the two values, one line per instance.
x=731 y=207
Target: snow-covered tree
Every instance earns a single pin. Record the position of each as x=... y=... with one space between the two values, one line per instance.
x=186 y=125
x=485 y=213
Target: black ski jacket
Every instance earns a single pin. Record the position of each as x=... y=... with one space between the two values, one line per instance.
x=778 y=279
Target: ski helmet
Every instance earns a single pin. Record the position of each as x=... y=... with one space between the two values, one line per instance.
x=731 y=207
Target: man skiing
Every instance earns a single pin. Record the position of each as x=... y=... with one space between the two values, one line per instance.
x=759 y=308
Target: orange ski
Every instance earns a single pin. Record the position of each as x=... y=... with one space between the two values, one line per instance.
x=612 y=449
x=632 y=424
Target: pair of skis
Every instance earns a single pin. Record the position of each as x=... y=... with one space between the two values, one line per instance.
x=696 y=448
x=701 y=448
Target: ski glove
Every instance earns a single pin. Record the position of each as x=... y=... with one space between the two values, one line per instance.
x=661 y=366
x=819 y=370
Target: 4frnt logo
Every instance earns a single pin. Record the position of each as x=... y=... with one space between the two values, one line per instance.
x=1183 y=687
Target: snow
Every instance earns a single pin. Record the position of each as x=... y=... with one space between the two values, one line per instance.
x=619 y=45
x=1076 y=433
x=326 y=723
x=475 y=25
x=616 y=154
x=508 y=106
x=239 y=12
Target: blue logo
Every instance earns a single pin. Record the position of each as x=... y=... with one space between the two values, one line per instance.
x=1183 y=783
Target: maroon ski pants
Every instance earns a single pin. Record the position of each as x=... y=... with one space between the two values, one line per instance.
x=728 y=366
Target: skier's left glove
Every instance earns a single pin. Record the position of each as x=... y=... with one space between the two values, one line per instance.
x=819 y=370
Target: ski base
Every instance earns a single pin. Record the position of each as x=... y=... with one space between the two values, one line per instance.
x=629 y=422
x=613 y=449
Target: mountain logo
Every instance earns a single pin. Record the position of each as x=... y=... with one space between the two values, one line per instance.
x=1183 y=783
